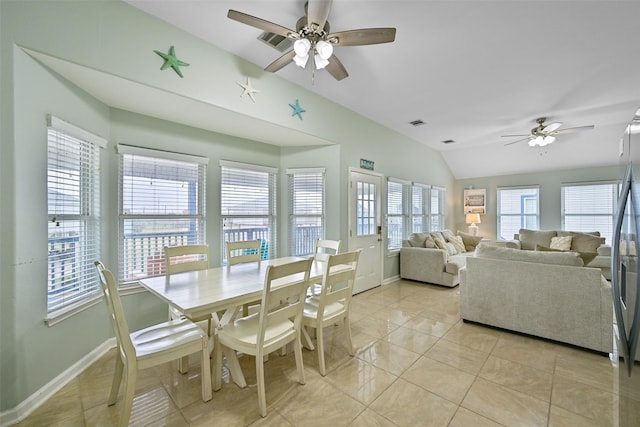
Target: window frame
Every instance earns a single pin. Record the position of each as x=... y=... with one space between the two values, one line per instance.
x=614 y=189
x=129 y=247
x=402 y=216
x=437 y=220
x=423 y=214
x=315 y=176
x=86 y=150
x=520 y=214
x=270 y=249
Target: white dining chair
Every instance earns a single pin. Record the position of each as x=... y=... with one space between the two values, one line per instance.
x=179 y=259
x=276 y=324
x=149 y=347
x=240 y=252
x=332 y=303
x=323 y=249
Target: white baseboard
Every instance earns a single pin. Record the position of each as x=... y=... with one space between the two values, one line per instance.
x=33 y=402
x=390 y=280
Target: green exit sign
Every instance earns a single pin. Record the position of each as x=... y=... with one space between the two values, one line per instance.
x=366 y=164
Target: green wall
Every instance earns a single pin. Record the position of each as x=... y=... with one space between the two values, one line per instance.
x=550 y=203
x=115 y=38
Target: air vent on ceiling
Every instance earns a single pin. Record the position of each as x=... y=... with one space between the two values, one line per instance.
x=448 y=141
x=276 y=41
x=418 y=122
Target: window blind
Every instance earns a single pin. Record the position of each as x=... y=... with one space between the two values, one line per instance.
x=398 y=200
x=517 y=208
x=306 y=204
x=437 y=209
x=589 y=207
x=248 y=205
x=161 y=203
x=73 y=211
x=420 y=198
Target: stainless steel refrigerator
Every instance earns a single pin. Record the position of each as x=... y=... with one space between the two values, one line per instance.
x=625 y=282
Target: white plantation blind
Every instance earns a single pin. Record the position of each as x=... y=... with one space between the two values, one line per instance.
x=518 y=207
x=161 y=203
x=398 y=212
x=420 y=201
x=248 y=205
x=73 y=212
x=589 y=207
x=437 y=208
x=306 y=204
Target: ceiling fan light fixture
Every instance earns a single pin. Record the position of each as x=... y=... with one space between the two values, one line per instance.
x=301 y=61
x=548 y=140
x=301 y=47
x=324 y=49
x=320 y=62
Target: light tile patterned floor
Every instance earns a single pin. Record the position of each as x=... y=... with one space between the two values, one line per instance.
x=417 y=364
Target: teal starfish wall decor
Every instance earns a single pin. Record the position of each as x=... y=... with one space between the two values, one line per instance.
x=297 y=109
x=170 y=60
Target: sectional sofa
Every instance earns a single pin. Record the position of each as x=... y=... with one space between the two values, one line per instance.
x=545 y=294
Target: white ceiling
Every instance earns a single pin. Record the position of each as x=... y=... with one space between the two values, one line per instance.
x=472 y=70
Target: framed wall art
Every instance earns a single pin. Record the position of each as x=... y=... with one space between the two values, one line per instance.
x=475 y=201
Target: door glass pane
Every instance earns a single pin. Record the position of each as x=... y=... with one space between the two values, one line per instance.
x=366 y=212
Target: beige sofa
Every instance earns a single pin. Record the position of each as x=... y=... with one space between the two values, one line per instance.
x=590 y=246
x=545 y=294
x=422 y=260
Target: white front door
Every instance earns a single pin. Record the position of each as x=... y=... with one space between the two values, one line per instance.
x=365 y=227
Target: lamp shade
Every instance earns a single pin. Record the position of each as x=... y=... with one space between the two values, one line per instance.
x=472 y=218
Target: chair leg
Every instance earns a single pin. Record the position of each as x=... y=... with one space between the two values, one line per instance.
x=205 y=371
x=183 y=365
x=307 y=339
x=117 y=377
x=262 y=398
x=320 y=345
x=131 y=371
x=347 y=325
x=216 y=368
x=299 y=363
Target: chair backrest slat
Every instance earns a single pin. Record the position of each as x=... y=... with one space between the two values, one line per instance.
x=338 y=286
x=179 y=259
x=243 y=251
x=325 y=248
x=284 y=301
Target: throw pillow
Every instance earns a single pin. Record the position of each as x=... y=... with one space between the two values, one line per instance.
x=429 y=242
x=561 y=243
x=446 y=234
x=457 y=242
x=470 y=241
x=417 y=240
x=441 y=244
x=587 y=257
x=450 y=248
x=583 y=242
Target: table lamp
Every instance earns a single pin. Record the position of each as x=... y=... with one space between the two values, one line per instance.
x=473 y=219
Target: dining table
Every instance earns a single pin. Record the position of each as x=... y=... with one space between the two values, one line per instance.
x=221 y=292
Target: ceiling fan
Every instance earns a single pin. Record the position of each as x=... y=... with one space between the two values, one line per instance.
x=312 y=35
x=545 y=134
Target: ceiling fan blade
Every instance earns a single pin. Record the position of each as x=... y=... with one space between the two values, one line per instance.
x=510 y=136
x=363 y=37
x=336 y=69
x=281 y=62
x=552 y=126
x=259 y=23
x=514 y=142
x=318 y=11
x=574 y=129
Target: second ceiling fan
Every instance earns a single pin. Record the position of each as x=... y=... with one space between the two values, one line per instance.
x=312 y=38
x=545 y=134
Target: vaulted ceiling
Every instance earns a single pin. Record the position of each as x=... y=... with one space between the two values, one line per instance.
x=471 y=70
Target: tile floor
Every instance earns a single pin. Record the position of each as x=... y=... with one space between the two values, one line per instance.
x=416 y=364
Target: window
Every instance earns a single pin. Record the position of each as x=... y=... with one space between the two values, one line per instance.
x=420 y=201
x=437 y=209
x=248 y=205
x=306 y=198
x=589 y=207
x=517 y=208
x=161 y=203
x=73 y=212
x=398 y=197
